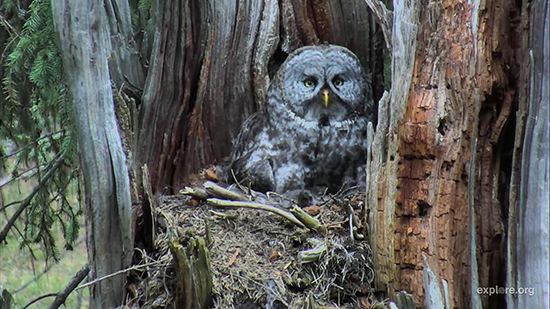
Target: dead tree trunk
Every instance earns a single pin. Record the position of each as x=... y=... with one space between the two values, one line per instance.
x=210 y=67
x=88 y=32
x=528 y=251
x=448 y=168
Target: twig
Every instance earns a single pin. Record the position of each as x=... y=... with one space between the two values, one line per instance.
x=234 y=204
x=342 y=188
x=10 y=204
x=29 y=198
x=234 y=257
x=46 y=269
x=39 y=298
x=25 y=242
x=32 y=143
x=27 y=173
x=62 y=296
x=348 y=190
x=7 y=25
x=135 y=267
x=269 y=194
x=243 y=188
x=24 y=286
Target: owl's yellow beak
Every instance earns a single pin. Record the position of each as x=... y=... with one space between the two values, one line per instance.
x=325 y=96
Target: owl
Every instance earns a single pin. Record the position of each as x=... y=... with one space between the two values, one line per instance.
x=311 y=135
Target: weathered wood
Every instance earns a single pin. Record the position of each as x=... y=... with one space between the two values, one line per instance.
x=210 y=68
x=124 y=61
x=528 y=253
x=193 y=272
x=85 y=39
x=382 y=190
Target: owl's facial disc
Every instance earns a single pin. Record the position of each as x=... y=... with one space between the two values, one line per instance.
x=320 y=81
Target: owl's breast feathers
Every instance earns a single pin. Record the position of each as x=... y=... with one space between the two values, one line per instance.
x=340 y=151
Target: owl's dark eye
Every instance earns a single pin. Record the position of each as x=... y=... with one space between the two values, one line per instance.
x=338 y=81
x=309 y=83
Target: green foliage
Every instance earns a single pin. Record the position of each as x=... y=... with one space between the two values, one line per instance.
x=143 y=25
x=37 y=122
x=141 y=14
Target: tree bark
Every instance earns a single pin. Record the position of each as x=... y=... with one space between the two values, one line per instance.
x=85 y=40
x=442 y=154
x=210 y=68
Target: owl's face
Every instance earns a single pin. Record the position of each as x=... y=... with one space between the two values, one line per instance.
x=322 y=82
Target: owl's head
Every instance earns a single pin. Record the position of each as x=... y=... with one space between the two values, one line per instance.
x=321 y=81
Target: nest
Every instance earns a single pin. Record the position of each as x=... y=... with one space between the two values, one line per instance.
x=261 y=260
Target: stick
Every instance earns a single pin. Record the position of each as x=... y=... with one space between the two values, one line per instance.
x=280 y=212
x=135 y=267
x=62 y=296
x=39 y=298
x=308 y=220
x=197 y=193
x=243 y=188
x=219 y=192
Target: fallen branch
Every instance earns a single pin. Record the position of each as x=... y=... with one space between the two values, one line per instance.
x=75 y=281
x=197 y=193
x=220 y=192
x=243 y=204
x=308 y=220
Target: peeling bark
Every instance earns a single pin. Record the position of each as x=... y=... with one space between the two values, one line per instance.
x=442 y=152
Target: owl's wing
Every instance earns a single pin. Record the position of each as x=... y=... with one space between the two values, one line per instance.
x=249 y=136
x=250 y=158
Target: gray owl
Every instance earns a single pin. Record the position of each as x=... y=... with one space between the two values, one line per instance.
x=312 y=132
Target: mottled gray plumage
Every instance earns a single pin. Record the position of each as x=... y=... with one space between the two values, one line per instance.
x=297 y=142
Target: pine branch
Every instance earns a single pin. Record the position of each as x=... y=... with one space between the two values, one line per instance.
x=54 y=166
x=31 y=144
